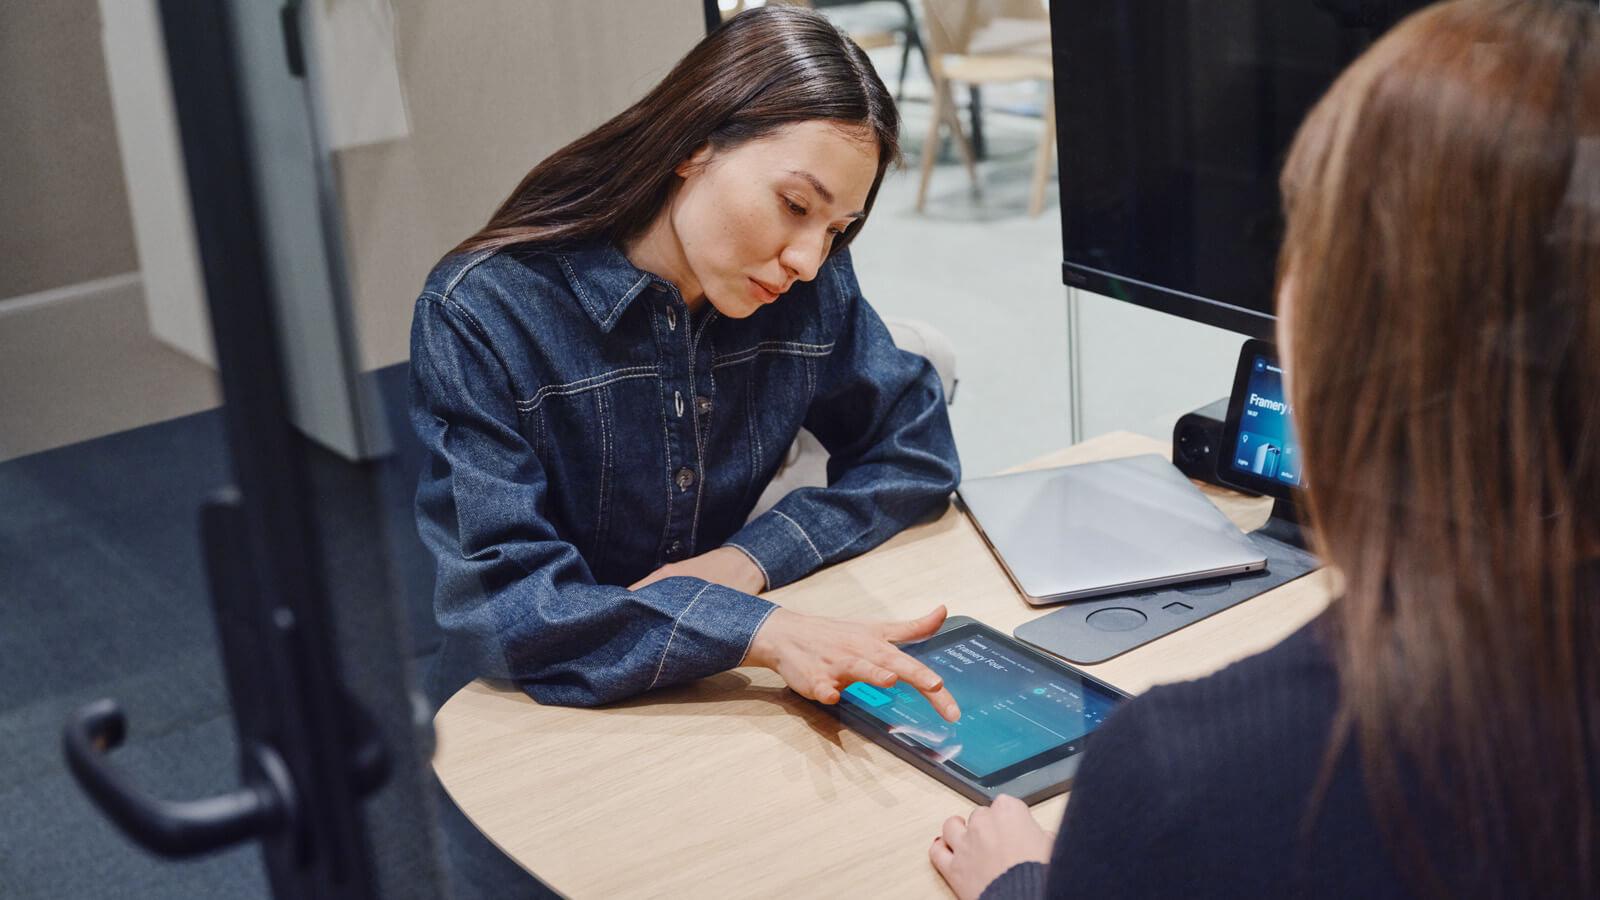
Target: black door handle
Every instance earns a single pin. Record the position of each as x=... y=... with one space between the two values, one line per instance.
x=175 y=828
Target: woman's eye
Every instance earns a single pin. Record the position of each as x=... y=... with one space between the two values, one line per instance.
x=796 y=208
x=836 y=232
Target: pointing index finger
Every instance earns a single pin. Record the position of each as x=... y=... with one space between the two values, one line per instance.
x=925 y=680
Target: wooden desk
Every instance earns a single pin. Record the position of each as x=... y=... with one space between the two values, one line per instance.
x=735 y=787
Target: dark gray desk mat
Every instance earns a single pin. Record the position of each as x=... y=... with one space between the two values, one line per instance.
x=1093 y=631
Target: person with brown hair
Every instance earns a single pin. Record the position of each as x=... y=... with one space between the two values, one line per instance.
x=607 y=375
x=1437 y=730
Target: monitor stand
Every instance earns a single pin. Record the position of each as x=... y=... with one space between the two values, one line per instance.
x=1093 y=631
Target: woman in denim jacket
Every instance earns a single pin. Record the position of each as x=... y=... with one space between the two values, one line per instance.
x=608 y=374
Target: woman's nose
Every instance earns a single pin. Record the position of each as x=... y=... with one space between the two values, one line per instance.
x=803 y=258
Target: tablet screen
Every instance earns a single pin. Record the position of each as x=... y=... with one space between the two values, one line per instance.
x=1018 y=710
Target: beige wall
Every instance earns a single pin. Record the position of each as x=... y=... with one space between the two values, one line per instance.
x=490 y=93
x=63 y=210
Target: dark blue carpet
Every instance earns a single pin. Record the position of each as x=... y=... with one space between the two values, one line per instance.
x=103 y=594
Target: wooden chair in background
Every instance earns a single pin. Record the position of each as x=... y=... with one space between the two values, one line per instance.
x=980 y=42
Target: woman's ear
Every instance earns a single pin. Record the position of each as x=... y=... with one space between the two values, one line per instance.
x=696 y=161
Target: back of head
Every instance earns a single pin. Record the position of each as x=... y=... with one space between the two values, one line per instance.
x=1441 y=277
x=763 y=69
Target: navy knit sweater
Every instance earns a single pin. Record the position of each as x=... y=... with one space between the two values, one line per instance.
x=1199 y=790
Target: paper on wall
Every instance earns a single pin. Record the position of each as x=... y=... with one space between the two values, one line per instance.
x=357 y=62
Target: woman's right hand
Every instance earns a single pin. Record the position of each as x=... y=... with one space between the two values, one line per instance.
x=819 y=657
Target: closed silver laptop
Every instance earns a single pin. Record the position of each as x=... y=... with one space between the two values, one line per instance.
x=1105 y=527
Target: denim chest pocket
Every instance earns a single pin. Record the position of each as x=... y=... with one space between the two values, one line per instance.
x=774 y=382
x=582 y=432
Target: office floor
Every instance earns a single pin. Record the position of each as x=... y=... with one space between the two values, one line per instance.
x=83 y=367
x=979 y=268
x=104 y=596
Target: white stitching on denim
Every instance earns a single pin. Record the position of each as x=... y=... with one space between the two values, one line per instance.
x=694 y=420
x=606 y=448
x=751 y=641
x=472 y=320
x=754 y=445
x=781 y=514
x=584 y=384
x=783 y=348
x=694 y=347
x=622 y=302
x=666 y=446
x=755 y=431
x=674 y=633
x=746 y=551
x=466 y=267
x=699 y=447
x=572 y=277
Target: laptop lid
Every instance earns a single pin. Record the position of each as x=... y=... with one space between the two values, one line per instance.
x=1105 y=527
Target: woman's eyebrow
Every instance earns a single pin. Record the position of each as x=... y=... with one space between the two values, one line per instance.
x=822 y=191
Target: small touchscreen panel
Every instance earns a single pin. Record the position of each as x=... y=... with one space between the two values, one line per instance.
x=1018 y=710
x=1266 y=446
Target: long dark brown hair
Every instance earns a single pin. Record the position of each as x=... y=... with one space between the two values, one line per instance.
x=761 y=70
x=1442 y=257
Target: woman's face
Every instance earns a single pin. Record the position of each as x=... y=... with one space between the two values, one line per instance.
x=755 y=219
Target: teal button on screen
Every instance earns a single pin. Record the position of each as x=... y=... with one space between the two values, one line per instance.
x=868 y=694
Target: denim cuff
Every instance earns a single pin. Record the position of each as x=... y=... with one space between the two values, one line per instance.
x=1023 y=880
x=779 y=546
x=711 y=634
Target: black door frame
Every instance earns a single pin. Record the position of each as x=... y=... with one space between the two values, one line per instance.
x=309 y=753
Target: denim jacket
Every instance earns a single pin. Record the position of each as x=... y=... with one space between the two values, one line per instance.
x=583 y=429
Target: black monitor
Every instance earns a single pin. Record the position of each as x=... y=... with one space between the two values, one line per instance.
x=1173 y=118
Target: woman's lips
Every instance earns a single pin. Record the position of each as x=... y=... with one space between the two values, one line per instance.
x=762 y=292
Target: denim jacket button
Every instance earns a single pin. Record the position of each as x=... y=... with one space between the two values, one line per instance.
x=703 y=405
x=674 y=549
x=685 y=478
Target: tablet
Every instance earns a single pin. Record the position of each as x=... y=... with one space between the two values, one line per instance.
x=1025 y=718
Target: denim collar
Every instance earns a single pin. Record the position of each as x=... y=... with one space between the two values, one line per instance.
x=604 y=281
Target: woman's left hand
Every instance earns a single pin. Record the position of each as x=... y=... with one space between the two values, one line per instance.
x=972 y=852
x=727 y=566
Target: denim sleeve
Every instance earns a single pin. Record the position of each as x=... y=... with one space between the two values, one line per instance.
x=513 y=597
x=880 y=413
